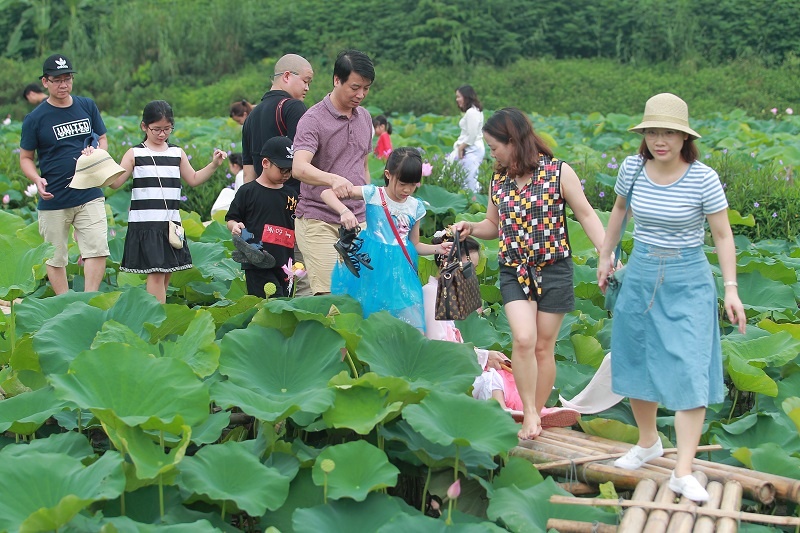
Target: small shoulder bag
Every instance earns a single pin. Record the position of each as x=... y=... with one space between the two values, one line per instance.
x=614 y=280
x=175 y=232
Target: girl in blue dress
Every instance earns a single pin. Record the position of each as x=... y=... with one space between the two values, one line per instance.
x=391 y=242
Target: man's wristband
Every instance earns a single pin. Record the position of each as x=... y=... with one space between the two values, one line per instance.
x=346 y=209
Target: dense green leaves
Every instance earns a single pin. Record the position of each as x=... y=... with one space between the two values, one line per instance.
x=353 y=470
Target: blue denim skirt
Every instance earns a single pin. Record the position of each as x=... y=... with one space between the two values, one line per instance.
x=665 y=340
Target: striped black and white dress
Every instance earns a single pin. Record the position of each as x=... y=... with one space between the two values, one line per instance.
x=153 y=204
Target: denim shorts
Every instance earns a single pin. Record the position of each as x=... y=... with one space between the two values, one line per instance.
x=558 y=291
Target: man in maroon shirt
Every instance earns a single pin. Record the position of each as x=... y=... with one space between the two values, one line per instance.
x=333 y=140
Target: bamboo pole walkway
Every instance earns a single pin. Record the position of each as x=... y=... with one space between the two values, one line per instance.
x=585 y=461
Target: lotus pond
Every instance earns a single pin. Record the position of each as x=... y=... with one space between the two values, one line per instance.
x=222 y=411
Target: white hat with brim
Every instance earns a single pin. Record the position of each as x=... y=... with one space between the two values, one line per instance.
x=666 y=111
x=97 y=169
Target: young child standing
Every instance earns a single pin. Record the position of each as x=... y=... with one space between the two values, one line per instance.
x=265 y=208
x=157 y=167
x=383 y=130
x=393 y=217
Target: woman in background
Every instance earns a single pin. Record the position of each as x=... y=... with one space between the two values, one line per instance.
x=469 y=149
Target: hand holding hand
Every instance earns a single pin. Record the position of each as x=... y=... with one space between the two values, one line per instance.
x=342 y=187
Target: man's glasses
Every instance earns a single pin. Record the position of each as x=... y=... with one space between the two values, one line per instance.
x=66 y=80
x=159 y=131
x=285 y=71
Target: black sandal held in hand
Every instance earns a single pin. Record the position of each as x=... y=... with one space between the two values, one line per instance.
x=348 y=246
x=252 y=252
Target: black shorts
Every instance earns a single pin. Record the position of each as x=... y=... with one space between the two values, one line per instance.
x=558 y=290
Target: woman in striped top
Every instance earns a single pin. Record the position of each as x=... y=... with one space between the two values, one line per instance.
x=157 y=167
x=665 y=334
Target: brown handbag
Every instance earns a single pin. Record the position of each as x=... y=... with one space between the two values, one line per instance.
x=458 y=293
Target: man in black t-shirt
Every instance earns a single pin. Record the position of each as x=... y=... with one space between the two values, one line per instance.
x=265 y=208
x=278 y=113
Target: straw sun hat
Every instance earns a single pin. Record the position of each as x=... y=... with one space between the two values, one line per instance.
x=666 y=110
x=97 y=169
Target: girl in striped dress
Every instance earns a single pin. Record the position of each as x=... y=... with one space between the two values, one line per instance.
x=157 y=167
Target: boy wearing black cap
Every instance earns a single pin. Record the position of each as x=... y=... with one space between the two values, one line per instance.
x=265 y=209
x=57 y=129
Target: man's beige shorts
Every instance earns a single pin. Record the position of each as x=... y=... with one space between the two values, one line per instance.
x=91 y=230
x=315 y=239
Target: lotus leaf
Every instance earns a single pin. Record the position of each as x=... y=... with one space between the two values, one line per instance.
x=32 y=313
x=360 y=409
x=392 y=347
x=227 y=473
x=614 y=430
x=20 y=266
x=588 y=350
x=176 y=321
x=271 y=377
x=284 y=315
x=338 y=516
x=51 y=488
x=425 y=524
x=73 y=330
x=761 y=294
x=517 y=472
x=398 y=389
x=210 y=259
x=123 y=524
x=24 y=357
x=25 y=413
x=747 y=377
x=358 y=468
x=527 y=510
x=773 y=327
x=211 y=429
x=196 y=347
x=771 y=458
x=69 y=443
x=480 y=332
x=418 y=449
x=303 y=493
x=114 y=332
x=754 y=429
x=439 y=201
x=446 y=418
x=791 y=406
x=155 y=393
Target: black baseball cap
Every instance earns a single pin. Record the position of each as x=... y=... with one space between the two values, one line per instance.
x=279 y=150
x=56 y=65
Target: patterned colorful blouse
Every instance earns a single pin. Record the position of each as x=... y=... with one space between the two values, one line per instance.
x=533 y=225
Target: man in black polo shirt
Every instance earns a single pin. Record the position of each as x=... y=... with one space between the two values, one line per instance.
x=277 y=114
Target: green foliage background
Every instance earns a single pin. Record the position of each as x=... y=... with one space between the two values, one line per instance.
x=570 y=57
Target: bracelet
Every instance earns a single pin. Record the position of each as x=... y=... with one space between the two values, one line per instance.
x=346 y=209
x=730 y=284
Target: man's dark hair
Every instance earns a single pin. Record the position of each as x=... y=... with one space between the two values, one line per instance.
x=350 y=61
x=31 y=88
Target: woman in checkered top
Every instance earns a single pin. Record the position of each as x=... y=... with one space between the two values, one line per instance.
x=529 y=193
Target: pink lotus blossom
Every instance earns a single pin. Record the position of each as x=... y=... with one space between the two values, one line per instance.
x=6 y=199
x=789 y=111
x=774 y=110
x=454 y=490
x=427 y=169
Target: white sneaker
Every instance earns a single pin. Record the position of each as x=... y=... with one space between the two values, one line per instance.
x=637 y=456
x=689 y=487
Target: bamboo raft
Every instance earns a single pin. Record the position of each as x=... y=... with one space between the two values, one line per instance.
x=586 y=461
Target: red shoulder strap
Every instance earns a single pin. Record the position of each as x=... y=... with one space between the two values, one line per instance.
x=279 y=117
x=394 y=229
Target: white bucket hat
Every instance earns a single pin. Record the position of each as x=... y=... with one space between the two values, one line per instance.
x=666 y=110
x=97 y=169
